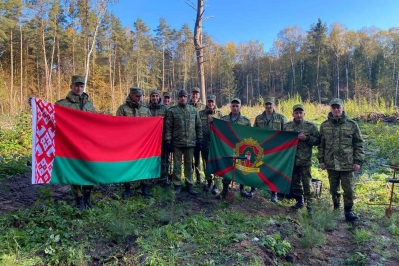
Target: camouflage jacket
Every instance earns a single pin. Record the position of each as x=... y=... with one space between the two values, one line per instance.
x=157 y=109
x=241 y=120
x=276 y=122
x=199 y=105
x=183 y=126
x=206 y=129
x=303 y=155
x=341 y=144
x=77 y=102
x=132 y=109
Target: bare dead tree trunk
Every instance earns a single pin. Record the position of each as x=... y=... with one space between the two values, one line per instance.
x=11 y=72
x=21 y=70
x=199 y=49
x=58 y=69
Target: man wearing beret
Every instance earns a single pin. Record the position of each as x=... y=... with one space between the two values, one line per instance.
x=166 y=99
x=308 y=136
x=340 y=153
x=159 y=109
x=211 y=111
x=196 y=102
x=270 y=119
x=134 y=107
x=183 y=133
x=79 y=100
x=235 y=117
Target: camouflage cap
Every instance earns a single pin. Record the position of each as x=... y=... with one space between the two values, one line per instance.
x=78 y=79
x=137 y=91
x=236 y=100
x=269 y=100
x=336 y=101
x=195 y=89
x=166 y=94
x=211 y=97
x=182 y=93
x=298 y=106
x=154 y=91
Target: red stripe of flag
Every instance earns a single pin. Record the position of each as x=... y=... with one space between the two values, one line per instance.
x=278 y=172
x=285 y=146
x=221 y=136
x=269 y=138
x=267 y=182
x=224 y=171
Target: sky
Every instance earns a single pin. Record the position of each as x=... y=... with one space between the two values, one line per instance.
x=245 y=20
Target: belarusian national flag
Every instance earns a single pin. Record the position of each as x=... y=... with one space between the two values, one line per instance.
x=82 y=148
x=270 y=155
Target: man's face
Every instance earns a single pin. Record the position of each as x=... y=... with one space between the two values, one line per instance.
x=195 y=96
x=210 y=104
x=77 y=88
x=135 y=98
x=337 y=110
x=298 y=115
x=166 y=100
x=269 y=107
x=235 y=108
x=154 y=98
x=183 y=99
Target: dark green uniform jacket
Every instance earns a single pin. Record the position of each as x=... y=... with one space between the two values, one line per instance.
x=276 y=122
x=241 y=120
x=341 y=144
x=199 y=105
x=77 y=102
x=131 y=108
x=183 y=126
x=206 y=129
x=303 y=155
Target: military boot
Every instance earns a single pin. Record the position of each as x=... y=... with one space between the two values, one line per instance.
x=215 y=190
x=244 y=193
x=144 y=190
x=225 y=191
x=208 y=186
x=177 y=189
x=126 y=193
x=253 y=191
x=190 y=189
x=299 y=203
x=79 y=204
x=337 y=205
x=274 y=197
x=86 y=201
x=349 y=215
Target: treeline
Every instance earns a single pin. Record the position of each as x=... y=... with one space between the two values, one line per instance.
x=44 y=42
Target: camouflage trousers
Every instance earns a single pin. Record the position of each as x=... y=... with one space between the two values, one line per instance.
x=187 y=154
x=302 y=182
x=79 y=191
x=165 y=161
x=346 y=180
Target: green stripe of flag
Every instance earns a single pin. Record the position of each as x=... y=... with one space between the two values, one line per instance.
x=75 y=171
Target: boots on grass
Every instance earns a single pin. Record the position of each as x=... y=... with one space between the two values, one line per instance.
x=253 y=191
x=190 y=189
x=225 y=191
x=349 y=215
x=214 y=190
x=86 y=201
x=208 y=186
x=79 y=204
x=126 y=193
x=299 y=203
x=197 y=173
x=244 y=193
x=144 y=191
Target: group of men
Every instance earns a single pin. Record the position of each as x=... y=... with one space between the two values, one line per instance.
x=187 y=135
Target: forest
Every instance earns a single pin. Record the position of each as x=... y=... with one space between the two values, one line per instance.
x=44 y=42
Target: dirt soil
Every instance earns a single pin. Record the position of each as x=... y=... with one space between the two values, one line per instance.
x=18 y=193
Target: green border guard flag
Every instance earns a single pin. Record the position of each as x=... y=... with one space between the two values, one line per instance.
x=270 y=155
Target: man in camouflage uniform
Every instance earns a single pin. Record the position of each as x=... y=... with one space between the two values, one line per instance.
x=133 y=107
x=308 y=136
x=166 y=99
x=183 y=133
x=79 y=100
x=341 y=153
x=196 y=102
x=269 y=119
x=234 y=117
x=211 y=111
x=159 y=109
